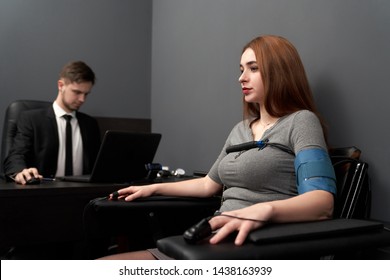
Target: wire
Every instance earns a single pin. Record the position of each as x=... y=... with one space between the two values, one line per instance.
x=239 y=218
x=257 y=144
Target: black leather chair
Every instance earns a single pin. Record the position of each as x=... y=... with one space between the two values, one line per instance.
x=352 y=202
x=10 y=121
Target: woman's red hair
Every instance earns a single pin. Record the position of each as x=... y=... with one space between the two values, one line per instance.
x=286 y=87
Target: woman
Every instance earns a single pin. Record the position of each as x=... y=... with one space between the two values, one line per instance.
x=289 y=178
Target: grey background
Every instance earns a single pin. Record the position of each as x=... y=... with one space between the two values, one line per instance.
x=177 y=62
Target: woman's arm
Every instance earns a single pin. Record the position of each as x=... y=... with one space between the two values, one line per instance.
x=198 y=187
x=310 y=206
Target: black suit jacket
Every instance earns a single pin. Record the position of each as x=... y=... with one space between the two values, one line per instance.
x=36 y=142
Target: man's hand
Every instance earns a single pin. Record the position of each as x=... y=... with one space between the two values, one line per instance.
x=26 y=174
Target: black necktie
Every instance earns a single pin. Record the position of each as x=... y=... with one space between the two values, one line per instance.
x=68 y=147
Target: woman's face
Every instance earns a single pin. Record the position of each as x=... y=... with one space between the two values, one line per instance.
x=250 y=79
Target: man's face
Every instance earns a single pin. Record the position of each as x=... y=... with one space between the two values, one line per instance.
x=72 y=95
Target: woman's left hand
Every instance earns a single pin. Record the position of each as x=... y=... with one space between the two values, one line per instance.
x=248 y=219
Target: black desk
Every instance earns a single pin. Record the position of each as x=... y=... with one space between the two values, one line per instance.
x=51 y=212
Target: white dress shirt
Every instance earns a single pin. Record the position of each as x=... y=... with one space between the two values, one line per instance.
x=76 y=141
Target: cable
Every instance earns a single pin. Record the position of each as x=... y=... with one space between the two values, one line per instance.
x=217 y=213
x=261 y=144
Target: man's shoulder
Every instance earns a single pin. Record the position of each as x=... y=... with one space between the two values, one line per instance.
x=84 y=118
x=81 y=115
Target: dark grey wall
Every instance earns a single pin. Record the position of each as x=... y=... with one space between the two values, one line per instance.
x=344 y=45
x=114 y=37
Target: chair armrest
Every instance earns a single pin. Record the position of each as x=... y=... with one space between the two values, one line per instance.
x=308 y=248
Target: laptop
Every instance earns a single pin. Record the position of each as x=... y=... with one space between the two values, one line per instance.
x=121 y=158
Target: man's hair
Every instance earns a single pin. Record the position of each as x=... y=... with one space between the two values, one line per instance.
x=77 y=71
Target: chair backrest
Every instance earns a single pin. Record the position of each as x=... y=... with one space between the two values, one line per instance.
x=345 y=152
x=10 y=121
x=353 y=198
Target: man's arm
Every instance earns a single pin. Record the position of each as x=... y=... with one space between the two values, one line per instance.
x=21 y=146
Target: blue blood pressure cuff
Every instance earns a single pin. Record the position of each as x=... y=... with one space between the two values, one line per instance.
x=314 y=171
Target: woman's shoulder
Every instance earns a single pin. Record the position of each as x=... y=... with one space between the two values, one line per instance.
x=306 y=131
x=300 y=122
x=302 y=116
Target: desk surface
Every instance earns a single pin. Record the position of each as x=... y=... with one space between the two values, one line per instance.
x=10 y=189
x=48 y=212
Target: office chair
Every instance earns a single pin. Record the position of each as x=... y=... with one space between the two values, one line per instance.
x=10 y=121
x=352 y=202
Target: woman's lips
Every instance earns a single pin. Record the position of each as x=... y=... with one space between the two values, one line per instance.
x=245 y=90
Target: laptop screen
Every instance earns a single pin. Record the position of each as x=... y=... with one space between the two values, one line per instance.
x=123 y=155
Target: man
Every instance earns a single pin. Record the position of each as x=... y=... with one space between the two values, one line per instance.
x=39 y=148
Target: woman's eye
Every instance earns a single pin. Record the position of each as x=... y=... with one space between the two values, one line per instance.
x=254 y=68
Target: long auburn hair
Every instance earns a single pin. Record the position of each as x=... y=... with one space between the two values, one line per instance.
x=286 y=87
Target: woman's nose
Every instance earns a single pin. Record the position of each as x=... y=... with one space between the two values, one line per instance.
x=242 y=78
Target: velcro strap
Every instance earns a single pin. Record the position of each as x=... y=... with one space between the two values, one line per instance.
x=316 y=169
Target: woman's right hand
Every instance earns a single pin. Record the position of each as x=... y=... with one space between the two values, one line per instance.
x=133 y=192
x=197 y=187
